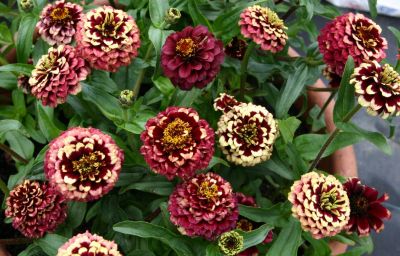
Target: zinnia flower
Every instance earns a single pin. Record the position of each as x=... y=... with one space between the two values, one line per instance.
x=366 y=211
x=108 y=38
x=83 y=163
x=246 y=134
x=177 y=143
x=192 y=57
x=236 y=48
x=378 y=88
x=204 y=206
x=57 y=75
x=58 y=22
x=354 y=35
x=86 y=244
x=225 y=102
x=35 y=208
x=320 y=203
x=230 y=243
x=264 y=27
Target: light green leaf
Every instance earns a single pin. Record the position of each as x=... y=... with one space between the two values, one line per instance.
x=255 y=236
x=345 y=101
x=25 y=37
x=288 y=127
x=157 y=10
x=5 y=35
x=20 y=144
x=50 y=243
x=25 y=69
x=372 y=8
x=288 y=240
x=276 y=215
x=8 y=80
x=197 y=17
x=45 y=120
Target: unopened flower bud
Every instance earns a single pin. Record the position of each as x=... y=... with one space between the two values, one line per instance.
x=126 y=98
x=230 y=243
x=27 y=5
x=172 y=15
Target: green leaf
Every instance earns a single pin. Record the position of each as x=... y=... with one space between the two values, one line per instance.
x=8 y=80
x=291 y=91
x=276 y=215
x=276 y=165
x=25 y=69
x=157 y=10
x=101 y=80
x=20 y=144
x=76 y=213
x=186 y=98
x=25 y=37
x=32 y=250
x=162 y=188
x=372 y=8
x=5 y=35
x=345 y=101
x=18 y=100
x=217 y=160
x=288 y=240
x=164 y=85
x=132 y=127
x=45 y=117
x=213 y=250
x=254 y=237
x=197 y=17
x=50 y=243
x=148 y=230
x=141 y=253
x=157 y=38
x=10 y=125
x=364 y=246
x=319 y=247
x=288 y=127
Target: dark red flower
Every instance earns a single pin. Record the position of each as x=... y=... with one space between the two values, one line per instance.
x=204 y=206
x=236 y=48
x=35 y=208
x=192 y=57
x=366 y=209
x=225 y=102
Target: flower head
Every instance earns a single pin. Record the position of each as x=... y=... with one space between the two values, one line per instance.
x=172 y=15
x=26 y=5
x=86 y=244
x=58 y=22
x=35 y=208
x=126 y=98
x=366 y=210
x=177 y=143
x=225 y=102
x=351 y=35
x=57 y=75
x=230 y=243
x=246 y=134
x=236 y=48
x=320 y=203
x=378 y=88
x=204 y=206
x=108 y=38
x=83 y=163
x=192 y=57
x=264 y=27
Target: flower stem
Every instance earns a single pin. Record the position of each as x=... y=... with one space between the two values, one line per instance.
x=14 y=241
x=332 y=137
x=138 y=83
x=243 y=68
x=321 y=89
x=13 y=153
x=326 y=104
x=4 y=188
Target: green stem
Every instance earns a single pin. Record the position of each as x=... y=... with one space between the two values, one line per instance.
x=138 y=83
x=332 y=137
x=13 y=153
x=326 y=104
x=4 y=188
x=321 y=89
x=243 y=68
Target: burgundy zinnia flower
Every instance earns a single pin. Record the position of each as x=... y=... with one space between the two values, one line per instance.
x=177 y=143
x=264 y=27
x=83 y=163
x=204 y=206
x=378 y=88
x=108 y=38
x=192 y=57
x=366 y=210
x=86 y=244
x=57 y=74
x=236 y=48
x=225 y=102
x=35 y=208
x=320 y=203
x=58 y=22
x=354 y=35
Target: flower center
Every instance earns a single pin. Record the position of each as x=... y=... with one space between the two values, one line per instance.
x=249 y=133
x=176 y=135
x=48 y=62
x=390 y=78
x=60 y=14
x=358 y=204
x=244 y=225
x=109 y=27
x=366 y=36
x=269 y=16
x=208 y=191
x=329 y=201
x=186 y=47
x=89 y=164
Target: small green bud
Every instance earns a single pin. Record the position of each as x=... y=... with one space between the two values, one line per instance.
x=230 y=243
x=26 y=5
x=172 y=15
x=126 y=98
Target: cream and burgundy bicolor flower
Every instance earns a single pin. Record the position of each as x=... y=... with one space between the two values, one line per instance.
x=378 y=88
x=225 y=102
x=57 y=75
x=86 y=244
x=247 y=133
x=35 y=208
x=320 y=203
x=177 y=143
x=366 y=209
x=351 y=35
x=192 y=57
x=108 y=38
x=83 y=163
x=264 y=27
x=58 y=22
x=204 y=206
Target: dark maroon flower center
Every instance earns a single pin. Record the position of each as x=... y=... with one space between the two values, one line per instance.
x=176 y=135
x=208 y=190
x=359 y=204
x=109 y=27
x=248 y=133
x=367 y=36
x=186 y=47
x=60 y=14
x=245 y=225
x=89 y=164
